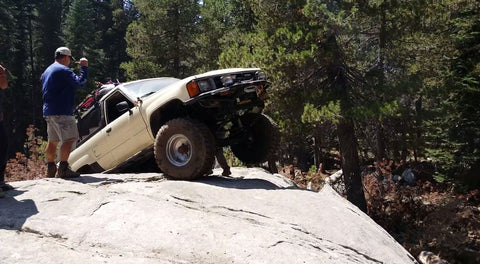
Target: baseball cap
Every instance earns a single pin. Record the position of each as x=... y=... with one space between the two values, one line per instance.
x=64 y=51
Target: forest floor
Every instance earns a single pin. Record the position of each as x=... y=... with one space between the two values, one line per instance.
x=424 y=216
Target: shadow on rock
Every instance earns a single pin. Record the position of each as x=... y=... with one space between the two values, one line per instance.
x=238 y=182
x=13 y=212
x=92 y=179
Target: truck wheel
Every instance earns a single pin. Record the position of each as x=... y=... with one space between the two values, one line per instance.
x=258 y=144
x=184 y=148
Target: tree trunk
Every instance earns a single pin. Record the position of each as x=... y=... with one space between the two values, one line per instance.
x=345 y=128
x=350 y=164
x=380 y=138
x=380 y=142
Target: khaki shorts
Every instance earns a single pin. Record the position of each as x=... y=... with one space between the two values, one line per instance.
x=61 y=128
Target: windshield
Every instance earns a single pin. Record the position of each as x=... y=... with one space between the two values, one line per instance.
x=144 y=88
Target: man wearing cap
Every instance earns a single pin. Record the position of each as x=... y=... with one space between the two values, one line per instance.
x=59 y=84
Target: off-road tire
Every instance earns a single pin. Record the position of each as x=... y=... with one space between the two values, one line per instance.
x=258 y=145
x=184 y=136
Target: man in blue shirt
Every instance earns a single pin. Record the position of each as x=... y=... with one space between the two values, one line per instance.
x=59 y=84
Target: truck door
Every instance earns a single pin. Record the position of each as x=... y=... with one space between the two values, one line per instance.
x=126 y=130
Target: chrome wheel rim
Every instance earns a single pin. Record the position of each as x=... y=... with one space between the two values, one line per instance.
x=179 y=150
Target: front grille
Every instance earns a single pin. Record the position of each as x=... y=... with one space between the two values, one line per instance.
x=237 y=77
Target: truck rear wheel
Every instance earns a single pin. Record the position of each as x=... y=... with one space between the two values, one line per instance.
x=258 y=144
x=184 y=148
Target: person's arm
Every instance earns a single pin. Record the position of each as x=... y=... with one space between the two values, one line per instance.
x=3 y=77
x=81 y=79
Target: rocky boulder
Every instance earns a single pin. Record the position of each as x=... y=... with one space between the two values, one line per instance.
x=251 y=217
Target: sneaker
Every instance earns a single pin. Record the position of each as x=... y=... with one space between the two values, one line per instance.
x=51 y=170
x=6 y=187
x=65 y=172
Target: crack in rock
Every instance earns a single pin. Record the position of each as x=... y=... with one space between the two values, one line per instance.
x=353 y=211
x=361 y=254
x=318 y=248
x=299 y=229
x=109 y=181
x=188 y=207
x=293 y=226
x=149 y=179
x=187 y=201
x=76 y=192
x=55 y=199
x=183 y=199
x=98 y=208
x=155 y=179
x=32 y=231
x=39 y=233
x=220 y=207
x=278 y=243
x=202 y=208
x=333 y=249
x=57 y=236
x=242 y=211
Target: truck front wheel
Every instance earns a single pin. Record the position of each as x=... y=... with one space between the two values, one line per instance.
x=184 y=148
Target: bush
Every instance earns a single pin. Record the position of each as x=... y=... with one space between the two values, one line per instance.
x=426 y=216
x=28 y=165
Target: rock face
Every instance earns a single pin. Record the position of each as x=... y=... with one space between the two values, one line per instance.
x=252 y=217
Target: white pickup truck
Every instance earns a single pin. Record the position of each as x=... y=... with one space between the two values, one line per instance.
x=178 y=123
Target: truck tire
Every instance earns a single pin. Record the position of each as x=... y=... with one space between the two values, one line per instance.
x=258 y=144
x=184 y=149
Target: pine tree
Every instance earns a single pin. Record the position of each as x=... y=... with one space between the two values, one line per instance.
x=48 y=33
x=455 y=128
x=161 y=41
x=79 y=28
x=297 y=43
x=17 y=45
x=220 y=21
x=119 y=15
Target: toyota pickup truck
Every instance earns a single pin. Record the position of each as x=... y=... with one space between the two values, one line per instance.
x=176 y=123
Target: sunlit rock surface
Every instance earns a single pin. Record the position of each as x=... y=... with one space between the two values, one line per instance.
x=251 y=217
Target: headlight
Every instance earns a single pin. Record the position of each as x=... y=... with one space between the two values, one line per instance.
x=204 y=85
x=227 y=80
x=260 y=75
x=195 y=87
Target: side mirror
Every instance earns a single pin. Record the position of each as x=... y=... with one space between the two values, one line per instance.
x=123 y=107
